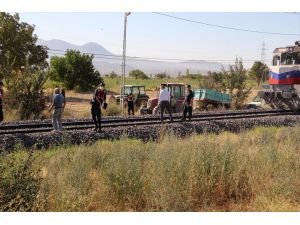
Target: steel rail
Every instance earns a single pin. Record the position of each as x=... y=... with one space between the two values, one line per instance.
x=143 y=121
x=132 y=119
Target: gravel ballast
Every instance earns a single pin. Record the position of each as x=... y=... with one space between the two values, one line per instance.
x=15 y=142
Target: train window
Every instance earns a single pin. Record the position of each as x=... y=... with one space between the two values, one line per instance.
x=276 y=60
x=297 y=58
x=287 y=59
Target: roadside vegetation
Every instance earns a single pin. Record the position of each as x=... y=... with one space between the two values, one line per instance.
x=256 y=170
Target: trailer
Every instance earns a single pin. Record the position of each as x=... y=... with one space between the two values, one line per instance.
x=205 y=98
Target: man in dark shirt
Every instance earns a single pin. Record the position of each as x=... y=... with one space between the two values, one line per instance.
x=188 y=103
x=130 y=101
x=1 y=100
x=99 y=99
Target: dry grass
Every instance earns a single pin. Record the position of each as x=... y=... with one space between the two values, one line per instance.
x=256 y=170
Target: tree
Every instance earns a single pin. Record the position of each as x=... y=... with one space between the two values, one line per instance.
x=138 y=74
x=187 y=73
x=75 y=71
x=235 y=81
x=161 y=75
x=213 y=80
x=26 y=93
x=18 y=46
x=22 y=66
x=259 y=71
x=113 y=75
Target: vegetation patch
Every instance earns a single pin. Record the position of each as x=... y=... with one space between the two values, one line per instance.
x=255 y=170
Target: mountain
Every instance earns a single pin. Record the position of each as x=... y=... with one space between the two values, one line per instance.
x=107 y=64
x=56 y=44
x=94 y=48
x=91 y=47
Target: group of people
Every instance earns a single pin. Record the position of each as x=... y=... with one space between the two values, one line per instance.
x=98 y=101
x=59 y=102
x=164 y=102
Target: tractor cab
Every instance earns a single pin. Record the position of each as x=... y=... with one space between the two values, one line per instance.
x=138 y=91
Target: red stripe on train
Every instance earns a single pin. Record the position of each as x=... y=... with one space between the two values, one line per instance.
x=285 y=81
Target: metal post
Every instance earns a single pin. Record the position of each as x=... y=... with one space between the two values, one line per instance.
x=123 y=64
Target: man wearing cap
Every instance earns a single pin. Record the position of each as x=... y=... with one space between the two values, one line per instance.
x=1 y=100
x=58 y=104
x=130 y=101
x=98 y=101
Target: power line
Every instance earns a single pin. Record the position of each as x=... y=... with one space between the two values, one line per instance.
x=138 y=58
x=224 y=27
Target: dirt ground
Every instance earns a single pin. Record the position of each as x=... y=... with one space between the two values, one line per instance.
x=78 y=104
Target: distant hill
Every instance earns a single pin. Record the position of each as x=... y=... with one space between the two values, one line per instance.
x=94 y=48
x=91 y=47
x=106 y=65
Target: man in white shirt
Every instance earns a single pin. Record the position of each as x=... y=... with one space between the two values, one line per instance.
x=164 y=100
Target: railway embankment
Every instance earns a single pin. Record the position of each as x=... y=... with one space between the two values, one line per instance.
x=149 y=132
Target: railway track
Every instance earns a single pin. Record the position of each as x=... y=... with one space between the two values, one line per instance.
x=108 y=123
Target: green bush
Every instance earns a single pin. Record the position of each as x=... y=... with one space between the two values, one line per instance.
x=19 y=183
x=26 y=93
x=113 y=109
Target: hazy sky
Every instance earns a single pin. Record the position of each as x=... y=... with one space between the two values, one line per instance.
x=153 y=35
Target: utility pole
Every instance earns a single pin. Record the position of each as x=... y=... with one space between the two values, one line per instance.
x=122 y=88
x=263 y=53
x=263 y=58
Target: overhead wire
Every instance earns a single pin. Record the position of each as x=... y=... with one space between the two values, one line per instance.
x=224 y=27
x=152 y=59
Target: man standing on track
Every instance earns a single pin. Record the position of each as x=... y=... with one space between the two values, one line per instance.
x=58 y=106
x=130 y=102
x=98 y=101
x=1 y=100
x=187 y=104
x=164 y=102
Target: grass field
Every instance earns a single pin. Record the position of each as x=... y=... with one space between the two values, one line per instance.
x=113 y=84
x=257 y=170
